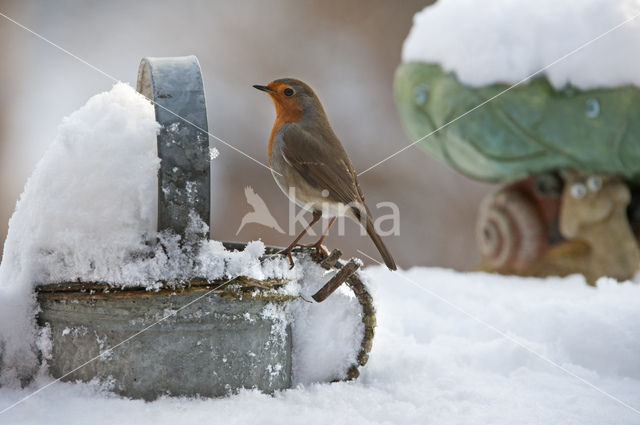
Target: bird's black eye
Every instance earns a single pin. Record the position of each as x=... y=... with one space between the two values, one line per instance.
x=288 y=91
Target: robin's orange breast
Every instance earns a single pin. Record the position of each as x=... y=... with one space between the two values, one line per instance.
x=284 y=114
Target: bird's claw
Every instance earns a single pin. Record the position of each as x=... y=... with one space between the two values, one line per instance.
x=287 y=252
x=318 y=247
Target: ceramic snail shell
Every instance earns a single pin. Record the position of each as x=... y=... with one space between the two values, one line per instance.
x=510 y=232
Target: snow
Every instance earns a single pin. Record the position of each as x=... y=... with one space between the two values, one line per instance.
x=79 y=213
x=505 y=41
x=327 y=335
x=88 y=213
x=430 y=363
x=449 y=348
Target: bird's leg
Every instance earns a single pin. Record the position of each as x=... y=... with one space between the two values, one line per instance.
x=318 y=245
x=287 y=250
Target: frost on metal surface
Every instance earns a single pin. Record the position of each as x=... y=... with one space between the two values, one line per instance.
x=210 y=348
x=175 y=86
x=247 y=333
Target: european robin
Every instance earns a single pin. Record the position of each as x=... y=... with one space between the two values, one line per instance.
x=307 y=157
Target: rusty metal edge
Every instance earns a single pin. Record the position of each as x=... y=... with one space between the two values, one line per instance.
x=365 y=300
x=103 y=290
x=237 y=288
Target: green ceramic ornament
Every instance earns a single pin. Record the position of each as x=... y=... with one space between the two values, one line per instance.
x=526 y=131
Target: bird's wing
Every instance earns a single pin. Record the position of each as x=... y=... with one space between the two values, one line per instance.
x=253 y=198
x=322 y=163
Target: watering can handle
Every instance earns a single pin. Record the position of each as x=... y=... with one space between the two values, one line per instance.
x=174 y=85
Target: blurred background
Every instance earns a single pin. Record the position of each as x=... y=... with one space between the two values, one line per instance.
x=346 y=50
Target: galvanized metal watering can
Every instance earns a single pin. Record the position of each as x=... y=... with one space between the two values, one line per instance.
x=219 y=342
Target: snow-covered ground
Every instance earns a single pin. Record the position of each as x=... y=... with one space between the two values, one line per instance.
x=505 y=41
x=431 y=363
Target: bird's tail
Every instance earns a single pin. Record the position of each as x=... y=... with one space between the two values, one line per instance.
x=384 y=252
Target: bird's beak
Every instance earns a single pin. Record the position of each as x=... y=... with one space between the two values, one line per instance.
x=263 y=88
